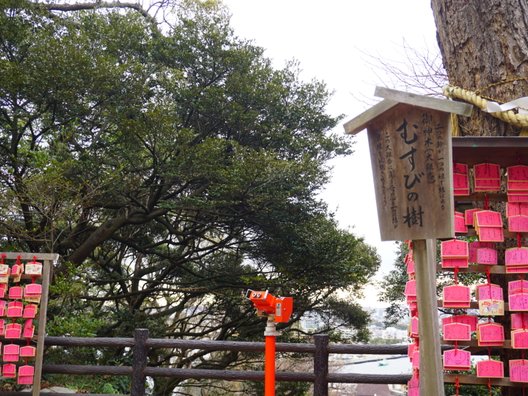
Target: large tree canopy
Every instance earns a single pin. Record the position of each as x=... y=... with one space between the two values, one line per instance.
x=171 y=168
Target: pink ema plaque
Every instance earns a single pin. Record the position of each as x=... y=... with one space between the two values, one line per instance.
x=491 y=234
x=487 y=185
x=15 y=309
x=13 y=330
x=413 y=386
x=459 y=167
x=456 y=332
x=489 y=291
x=474 y=246
x=9 y=370
x=514 y=198
x=490 y=369
x=517 y=286
x=488 y=218
x=519 y=301
x=410 y=290
x=410 y=267
x=519 y=370
x=487 y=256
x=25 y=375
x=416 y=359
x=460 y=181
x=414 y=327
x=469 y=215
x=516 y=256
x=518 y=223
x=460 y=224
x=516 y=209
x=517 y=173
x=28 y=351
x=457 y=359
x=514 y=185
x=455 y=263
x=519 y=339
x=487 y=171
x=410 y=350
x=457 y=296
x=454 y=248
x=466 y=319
x=490 y=334
x=519 y=320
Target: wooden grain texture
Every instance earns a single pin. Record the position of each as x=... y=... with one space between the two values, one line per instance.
x=370 y=379
x=321 y=365
x=475 y=305
x=427 y=102
x=473 y=380
x=359 y=123
x=410 y=152
x=484 y=48
x=86 y=369
x=474 y=268
x=42 y=316
x=53 y=257
x=89 y=341
x=431 y=369
x=139 y=362
x=227 y=375
x=240 y=346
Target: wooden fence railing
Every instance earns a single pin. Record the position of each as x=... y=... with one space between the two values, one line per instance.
x=141 y=343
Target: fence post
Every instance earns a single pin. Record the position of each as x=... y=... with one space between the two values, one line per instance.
x=139 y=362
x=321 y=365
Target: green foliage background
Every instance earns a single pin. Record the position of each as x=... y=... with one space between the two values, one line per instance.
x=172 y=168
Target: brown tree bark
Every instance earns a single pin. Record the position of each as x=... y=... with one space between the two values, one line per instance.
x=484 y=46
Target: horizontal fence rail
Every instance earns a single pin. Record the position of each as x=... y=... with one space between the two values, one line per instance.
x=141 y=344
x=320 y=377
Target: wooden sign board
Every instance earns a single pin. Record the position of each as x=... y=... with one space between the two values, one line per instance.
x=410 y=150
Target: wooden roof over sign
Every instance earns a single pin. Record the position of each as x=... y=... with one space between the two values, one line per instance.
x=392 y=98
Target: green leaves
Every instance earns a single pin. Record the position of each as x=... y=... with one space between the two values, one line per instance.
x=172 y=171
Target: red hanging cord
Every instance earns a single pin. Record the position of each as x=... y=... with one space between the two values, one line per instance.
x=456 y=275
x=486 y=201
x=489 y=387
x=457 y=385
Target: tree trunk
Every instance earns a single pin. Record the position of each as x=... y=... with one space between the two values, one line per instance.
x=484 y=46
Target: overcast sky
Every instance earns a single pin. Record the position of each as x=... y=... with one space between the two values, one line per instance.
x=339 y=42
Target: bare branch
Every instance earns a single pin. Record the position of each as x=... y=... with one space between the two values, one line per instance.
x=100 y=5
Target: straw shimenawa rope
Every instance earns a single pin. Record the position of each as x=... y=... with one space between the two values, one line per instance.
x=516 y=119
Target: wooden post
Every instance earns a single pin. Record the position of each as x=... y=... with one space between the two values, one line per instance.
x=431 y=370
x=43 y=308
x=139 y=362
x=321 y=365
